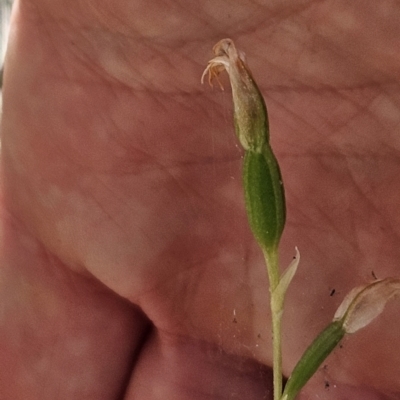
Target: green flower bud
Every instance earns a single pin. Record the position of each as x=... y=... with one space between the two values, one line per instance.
x=312 y=358
x=358 y=309
x=264 y=196
x=264 y=193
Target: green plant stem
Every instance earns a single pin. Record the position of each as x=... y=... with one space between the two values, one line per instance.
x=271 y=259
x=262 y=181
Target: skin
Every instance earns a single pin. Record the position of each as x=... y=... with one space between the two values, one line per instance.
x=127 y=267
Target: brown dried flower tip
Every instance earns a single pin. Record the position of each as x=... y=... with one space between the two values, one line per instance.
x=226 y=55
x=250 y=114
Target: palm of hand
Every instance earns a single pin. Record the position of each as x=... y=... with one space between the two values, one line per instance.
x=123 y=169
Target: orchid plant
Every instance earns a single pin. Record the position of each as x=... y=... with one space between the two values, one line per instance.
x=266 y=211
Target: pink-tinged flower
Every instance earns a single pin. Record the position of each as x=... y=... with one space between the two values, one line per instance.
x=251 y=120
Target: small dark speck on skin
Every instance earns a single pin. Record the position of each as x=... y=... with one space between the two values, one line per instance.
x=327 y=384
x=234 y=321
x=332 y=292
x=259 y=335
x=373 y=275
x=340 y=346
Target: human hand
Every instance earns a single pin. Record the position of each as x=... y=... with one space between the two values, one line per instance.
x=128 y=268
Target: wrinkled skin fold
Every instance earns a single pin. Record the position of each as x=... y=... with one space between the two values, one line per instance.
x=128 y=270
